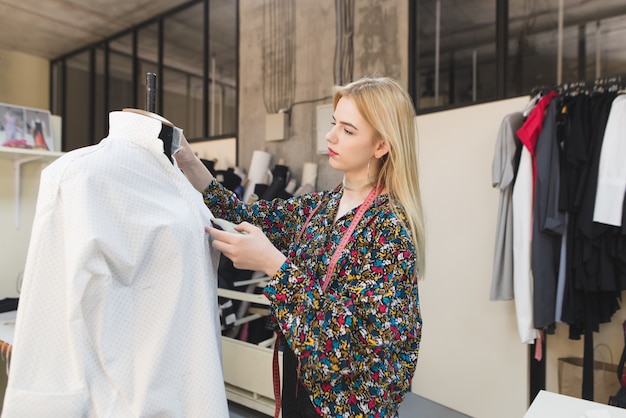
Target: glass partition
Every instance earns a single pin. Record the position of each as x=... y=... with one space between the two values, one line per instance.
x=120 y=91
x=223 y=62
x=76 y=129
x=148 y=62
x=547 y=43
x=455 y=52
x=192 y=49
x=100 y=126
x=183 y=68
x=551 y=45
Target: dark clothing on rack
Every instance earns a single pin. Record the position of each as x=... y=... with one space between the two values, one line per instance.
x=624 y=219
x=592 y=288
x=574 y=118
x=548 y=222
x=591 y=299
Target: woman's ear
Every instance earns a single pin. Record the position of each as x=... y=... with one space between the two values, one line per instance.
x=382 y=148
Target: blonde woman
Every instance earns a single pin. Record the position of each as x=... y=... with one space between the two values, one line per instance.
x=344 y=263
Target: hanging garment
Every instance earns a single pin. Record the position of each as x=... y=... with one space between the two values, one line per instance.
x=523 y=194
x=530 y=130
x=575 y=138
x=592 y=270
x=560 y=286
x=575 y=143
x=548 y=222
x=118 y=311
x=612 y=171
x=592 y=291
x=503 y=171
x=522 y=225
x=595 y=274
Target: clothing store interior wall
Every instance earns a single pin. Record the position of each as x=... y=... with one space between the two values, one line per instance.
x=467 y=65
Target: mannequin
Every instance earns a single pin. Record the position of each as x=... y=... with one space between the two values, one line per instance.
x=118 y=313
x=170 y=134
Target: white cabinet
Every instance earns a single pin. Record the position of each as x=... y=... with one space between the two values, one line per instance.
x=248 y=367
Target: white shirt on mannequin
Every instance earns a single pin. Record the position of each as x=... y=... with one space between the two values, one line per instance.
x=118 y=313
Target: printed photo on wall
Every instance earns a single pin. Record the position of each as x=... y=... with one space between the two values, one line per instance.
x=23 y=127
x=39 y=128
x=12 y=127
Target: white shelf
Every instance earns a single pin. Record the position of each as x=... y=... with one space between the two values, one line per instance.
x=21 y=156
x=7 y=153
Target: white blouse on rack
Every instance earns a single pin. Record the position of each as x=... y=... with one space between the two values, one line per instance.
x=612 y=170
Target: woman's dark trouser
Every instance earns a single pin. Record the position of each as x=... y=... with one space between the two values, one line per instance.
x=294 y=405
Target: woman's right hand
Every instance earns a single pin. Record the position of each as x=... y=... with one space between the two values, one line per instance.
x=249 y=251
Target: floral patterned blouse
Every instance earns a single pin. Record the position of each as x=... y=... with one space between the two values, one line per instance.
x=358 y=340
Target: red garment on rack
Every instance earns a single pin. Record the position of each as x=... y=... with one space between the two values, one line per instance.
x=529 y=132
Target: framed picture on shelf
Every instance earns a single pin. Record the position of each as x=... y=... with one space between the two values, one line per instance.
x=25 y=127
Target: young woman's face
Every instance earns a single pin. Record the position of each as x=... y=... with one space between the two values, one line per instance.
x=352 y=141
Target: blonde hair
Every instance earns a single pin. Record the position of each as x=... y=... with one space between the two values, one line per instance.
x=386 y=106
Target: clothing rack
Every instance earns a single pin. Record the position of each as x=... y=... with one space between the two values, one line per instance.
x=537 y=381
x=613 y=83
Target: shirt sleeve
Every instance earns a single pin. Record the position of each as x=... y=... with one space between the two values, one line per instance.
x=373 y=325
x=280 y=219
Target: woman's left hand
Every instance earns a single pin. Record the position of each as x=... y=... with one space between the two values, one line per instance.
x=249 y=251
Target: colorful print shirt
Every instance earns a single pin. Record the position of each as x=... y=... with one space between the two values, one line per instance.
x=358 y=340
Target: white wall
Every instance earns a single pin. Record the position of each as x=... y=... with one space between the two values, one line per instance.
x=24 y=80
x=13 y=240
x=222 y=151
x=471 y=358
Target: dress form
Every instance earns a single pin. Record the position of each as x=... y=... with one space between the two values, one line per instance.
x=114 y=320
x=170 y=134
